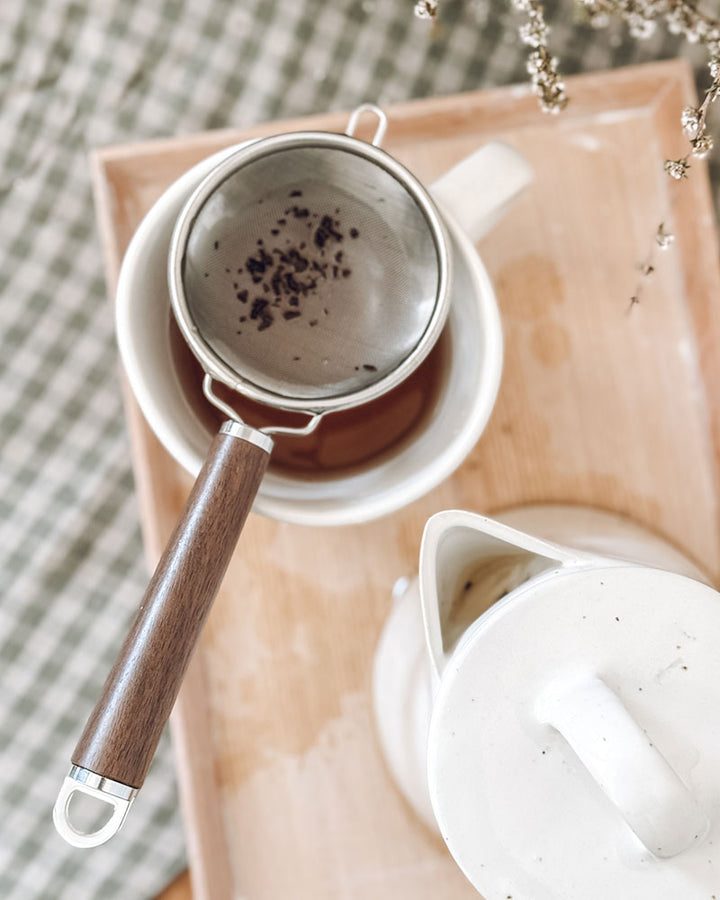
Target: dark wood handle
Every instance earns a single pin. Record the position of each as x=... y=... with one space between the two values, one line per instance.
x=122 y=733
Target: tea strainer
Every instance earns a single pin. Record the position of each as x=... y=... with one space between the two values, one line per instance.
x=308 y=272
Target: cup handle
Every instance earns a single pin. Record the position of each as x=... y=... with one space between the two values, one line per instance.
x=625 y=763
x=479 y=190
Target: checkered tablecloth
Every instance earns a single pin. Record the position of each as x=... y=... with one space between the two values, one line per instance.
x=74 y=75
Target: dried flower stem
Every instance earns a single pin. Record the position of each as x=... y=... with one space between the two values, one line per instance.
x=661 y=241
x=542 y=66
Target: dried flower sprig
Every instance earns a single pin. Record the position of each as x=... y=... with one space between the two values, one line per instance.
x=662 y=241
x=680 y=16
x=663 y=238
x=677 y=168
x=542 y=66
x=641 y=16
x=426 y=9
x=693 y=120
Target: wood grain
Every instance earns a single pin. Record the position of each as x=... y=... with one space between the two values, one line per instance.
x=122 y=733
x=283 y=785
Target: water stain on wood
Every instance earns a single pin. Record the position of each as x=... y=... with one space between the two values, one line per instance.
x=529 y=288
x=550 y=344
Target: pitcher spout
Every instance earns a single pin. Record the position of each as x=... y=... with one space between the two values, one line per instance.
x=469 y=562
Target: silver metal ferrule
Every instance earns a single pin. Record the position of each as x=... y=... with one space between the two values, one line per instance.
x=247 y=433
x=100 y=783
x=115 y=794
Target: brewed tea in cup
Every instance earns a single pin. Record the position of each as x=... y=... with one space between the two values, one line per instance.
x=348 y=440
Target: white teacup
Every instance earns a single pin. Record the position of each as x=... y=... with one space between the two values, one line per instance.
x=471 y=196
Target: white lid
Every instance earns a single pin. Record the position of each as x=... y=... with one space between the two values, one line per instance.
x=574 y=744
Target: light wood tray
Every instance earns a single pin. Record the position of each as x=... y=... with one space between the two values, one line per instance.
x=284 y=790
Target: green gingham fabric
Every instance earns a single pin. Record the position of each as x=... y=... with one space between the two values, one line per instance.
x=74 y=75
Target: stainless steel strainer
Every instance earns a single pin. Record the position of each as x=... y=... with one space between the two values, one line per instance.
x=309 y=272
x=334 y=287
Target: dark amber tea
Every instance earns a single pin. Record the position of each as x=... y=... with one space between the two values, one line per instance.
x=343 y=440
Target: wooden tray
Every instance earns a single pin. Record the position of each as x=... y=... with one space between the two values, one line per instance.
x=284 y=790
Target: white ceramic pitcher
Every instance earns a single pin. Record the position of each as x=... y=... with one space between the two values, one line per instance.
x=555 y=712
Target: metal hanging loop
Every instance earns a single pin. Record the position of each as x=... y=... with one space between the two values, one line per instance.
x=381 y=126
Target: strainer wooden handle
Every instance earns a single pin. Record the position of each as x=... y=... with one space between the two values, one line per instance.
x=122 y=733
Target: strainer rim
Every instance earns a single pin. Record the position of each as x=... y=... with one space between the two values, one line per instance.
x=211 y=361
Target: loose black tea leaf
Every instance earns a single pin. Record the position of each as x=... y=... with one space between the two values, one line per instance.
x=289 y=272
x=326 y=230
x=258 y=307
